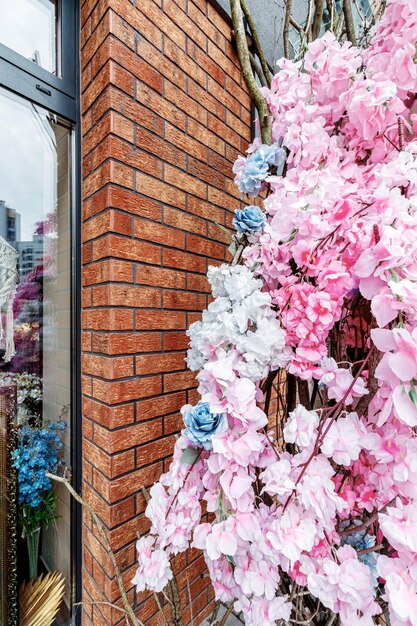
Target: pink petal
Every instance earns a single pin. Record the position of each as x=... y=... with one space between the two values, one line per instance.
x=405 y=409
x=382 y=309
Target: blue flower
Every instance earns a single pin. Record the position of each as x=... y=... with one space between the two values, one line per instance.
x=37 y=453
x=362 y=541
x=256 y=168
x=251 y=219
x=201 y=425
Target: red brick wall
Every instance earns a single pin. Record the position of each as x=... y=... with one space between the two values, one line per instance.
x=164 y=115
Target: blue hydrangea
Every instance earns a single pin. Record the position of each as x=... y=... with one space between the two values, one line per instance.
x=362 y=541
x=201 y=425
x=251 y=219
x=256 y=168
x=37 y=453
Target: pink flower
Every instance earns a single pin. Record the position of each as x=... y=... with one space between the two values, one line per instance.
x=292 y=533
x=154 y=571
x=301 y=426
x=344 y=440
x=338 y=380
x=399 y=526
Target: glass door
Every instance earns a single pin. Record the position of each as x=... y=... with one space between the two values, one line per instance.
x=36 y=312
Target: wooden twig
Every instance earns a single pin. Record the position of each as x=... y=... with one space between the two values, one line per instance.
x=248 y=75
x=221 y=621
x=213 y=616
x=317 y=19
x=160 y=609
x=100 y=527
x=286 y=29
x=258 y=70
x=349 y=22
x=257 y=42
x=176 y=610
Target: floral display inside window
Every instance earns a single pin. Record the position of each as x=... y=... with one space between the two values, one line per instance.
x=35 y=330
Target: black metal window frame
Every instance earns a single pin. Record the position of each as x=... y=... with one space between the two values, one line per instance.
x=60 y=95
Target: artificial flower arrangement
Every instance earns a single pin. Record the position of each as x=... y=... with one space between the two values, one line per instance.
x=37 y=452
x=29 y=393
x=319 y=519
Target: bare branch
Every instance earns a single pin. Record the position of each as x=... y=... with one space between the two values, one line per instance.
x=257 y=42
x=244 y=58
x=258 y=70
x=317 y=19
x=100 y=527
x=350 y=25
x=286 y=30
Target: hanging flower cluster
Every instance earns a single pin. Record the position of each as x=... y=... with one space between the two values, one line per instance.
x=327 y=290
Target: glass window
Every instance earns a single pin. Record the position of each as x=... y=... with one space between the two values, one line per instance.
x=29 y=27
x=35 y=312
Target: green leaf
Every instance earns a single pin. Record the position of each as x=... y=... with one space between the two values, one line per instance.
x=189 y=455
x=413 y=394
x=293 y=234
x=233 y=247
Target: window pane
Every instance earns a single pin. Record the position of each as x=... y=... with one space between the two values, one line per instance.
x=35 y=244
x=29 y=28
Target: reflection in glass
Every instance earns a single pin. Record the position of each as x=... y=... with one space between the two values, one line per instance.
x=35 y=184
x=29 y=28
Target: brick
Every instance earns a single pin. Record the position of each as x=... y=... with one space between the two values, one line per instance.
x=160 y=320
x=136 y=19
x=113 y=49
x=110 y=221
x=156 y=189
x=126 y=248
x=108 y=269
x=152 y=143
x=184 y=221
x=183 y=260
x=203 y=98
x=133 y=203
x=179 y=380
x=160 y=362
x=206 y=137
x=108 y=319
x=113 y=99
x=206 y=173
x=126 y=343
x=184 y=300
x=107 y=367
x=126 y=296
x=152 y=100
x=205 y=247
x=128 y=155
x=168 y=403
x=184 y=102
x=199 y=18
x=125 y=391
x=112 y=417
x=160 y=277
x=162 y=21
x=188 y=65
x=144 y=229
x=186 y=24
x=126 y=438
x=155 y=450
x=183 y=142
x=185 y=182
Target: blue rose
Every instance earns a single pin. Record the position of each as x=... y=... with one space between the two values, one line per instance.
x=257 y=166
x=201 y=425
x=251 y=219
x=362 y=541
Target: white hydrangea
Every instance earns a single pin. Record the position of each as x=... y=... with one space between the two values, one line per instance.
x=240 y=318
